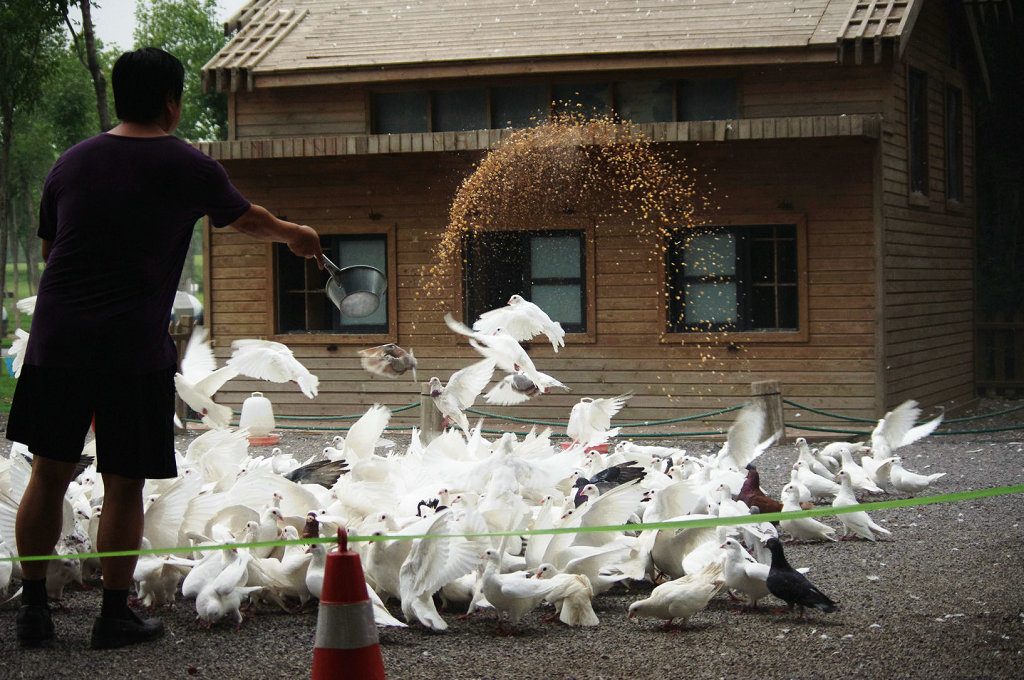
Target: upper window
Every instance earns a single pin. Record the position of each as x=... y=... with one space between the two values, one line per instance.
x=954 y=144
x=638 y=101
x=706 y=99
x=917 y=131
x=546 y=267
x=302 y=302
x=518 y=106
x=742 y=278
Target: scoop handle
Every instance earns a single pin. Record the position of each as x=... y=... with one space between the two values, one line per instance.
x=331 y=267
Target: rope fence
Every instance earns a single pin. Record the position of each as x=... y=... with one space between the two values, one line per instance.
x=650 y=423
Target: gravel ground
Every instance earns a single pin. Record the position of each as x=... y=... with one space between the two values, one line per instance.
x=941 y=599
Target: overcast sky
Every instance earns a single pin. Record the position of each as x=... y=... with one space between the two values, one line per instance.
x=115 y=19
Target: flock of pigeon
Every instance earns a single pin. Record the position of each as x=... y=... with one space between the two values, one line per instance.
x=467 y=498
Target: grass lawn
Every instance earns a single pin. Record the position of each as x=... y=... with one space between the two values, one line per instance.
x=6 y=381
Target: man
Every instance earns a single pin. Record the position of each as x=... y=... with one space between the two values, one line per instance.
x=116 y=217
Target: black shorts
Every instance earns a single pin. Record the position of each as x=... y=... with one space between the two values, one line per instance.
x=54 y=407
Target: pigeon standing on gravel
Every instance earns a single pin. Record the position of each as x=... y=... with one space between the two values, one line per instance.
x=856 y=523
x=792 y=587
x=905 y=481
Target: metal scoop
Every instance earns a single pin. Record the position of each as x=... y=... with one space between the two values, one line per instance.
x=357 y=290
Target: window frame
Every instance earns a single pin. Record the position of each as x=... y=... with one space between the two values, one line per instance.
x=588 y=278
x=800 y=334
x=331 y=338
x=955 y=203
x=918 y=197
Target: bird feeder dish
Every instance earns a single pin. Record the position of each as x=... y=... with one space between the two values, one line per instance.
x=357 y=290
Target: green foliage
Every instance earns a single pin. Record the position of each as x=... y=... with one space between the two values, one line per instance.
x=189 y=30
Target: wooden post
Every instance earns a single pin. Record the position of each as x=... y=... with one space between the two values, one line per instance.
x=430 y=418
x=769 y=394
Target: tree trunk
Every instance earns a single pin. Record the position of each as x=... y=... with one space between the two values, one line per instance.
x=99 y=82
x=15 y=276
x=30 y=243
x=6 y=131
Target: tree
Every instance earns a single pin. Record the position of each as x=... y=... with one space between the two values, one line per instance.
x=189 y=30
x=31 y=33
x=64 y=115
x=85 y=47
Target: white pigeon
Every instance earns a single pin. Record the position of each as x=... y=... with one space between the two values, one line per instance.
x=744 y=574
x=858 y=476
x=590 y=419
x=818 y=486
x=512 y=594
x=157 y=577
x=200 y=379
x=505 y=350
x=17 y=350
x=897 y=429
x=743 y=443
x=856 y=523
x=571 y=595
x=523 y=320
x=273 y=361
x=905 y=481
x=816 y=466
x=27 y=305
x=803 y=528
x=515 y=388
x=680 y=598
x=460 y=392
x=222 y=596
x=6 y=568
x=433 y=562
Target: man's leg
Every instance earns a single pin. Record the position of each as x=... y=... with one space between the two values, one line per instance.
x=37 y=529
x=121 y=523
x=40 y=514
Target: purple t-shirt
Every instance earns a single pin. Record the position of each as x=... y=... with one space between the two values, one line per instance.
x=119 y=212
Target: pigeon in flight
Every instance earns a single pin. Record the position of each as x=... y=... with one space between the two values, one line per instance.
x=523 y=320
x=388 y=360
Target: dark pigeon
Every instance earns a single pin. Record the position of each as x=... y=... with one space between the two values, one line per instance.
x=608 y=479
x=322 y=472
x=792 y=587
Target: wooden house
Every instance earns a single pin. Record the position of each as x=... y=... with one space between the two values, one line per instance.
x=837 y=255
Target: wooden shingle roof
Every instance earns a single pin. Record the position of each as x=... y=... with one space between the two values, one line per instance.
x=294 y=36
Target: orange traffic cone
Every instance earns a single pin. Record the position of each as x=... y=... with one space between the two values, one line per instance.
x=346 y=635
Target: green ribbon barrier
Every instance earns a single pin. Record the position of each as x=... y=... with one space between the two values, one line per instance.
x=654 y=526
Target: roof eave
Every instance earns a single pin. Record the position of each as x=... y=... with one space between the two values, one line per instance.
x=234 y=79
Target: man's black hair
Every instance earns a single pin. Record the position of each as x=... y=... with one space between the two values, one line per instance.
x=142 y=81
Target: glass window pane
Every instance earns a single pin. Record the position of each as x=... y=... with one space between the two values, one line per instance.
x=518 y=107
x=644 y=101
x=713 y=303
x=563 y=303
x=787 y=260
x=555 y=257
x=588 y=99
x=707 y=99
x=456 y=110
x=762 y=262
x=398 y=112
x=711 y=254
x=762 y=307
x=789 y=310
